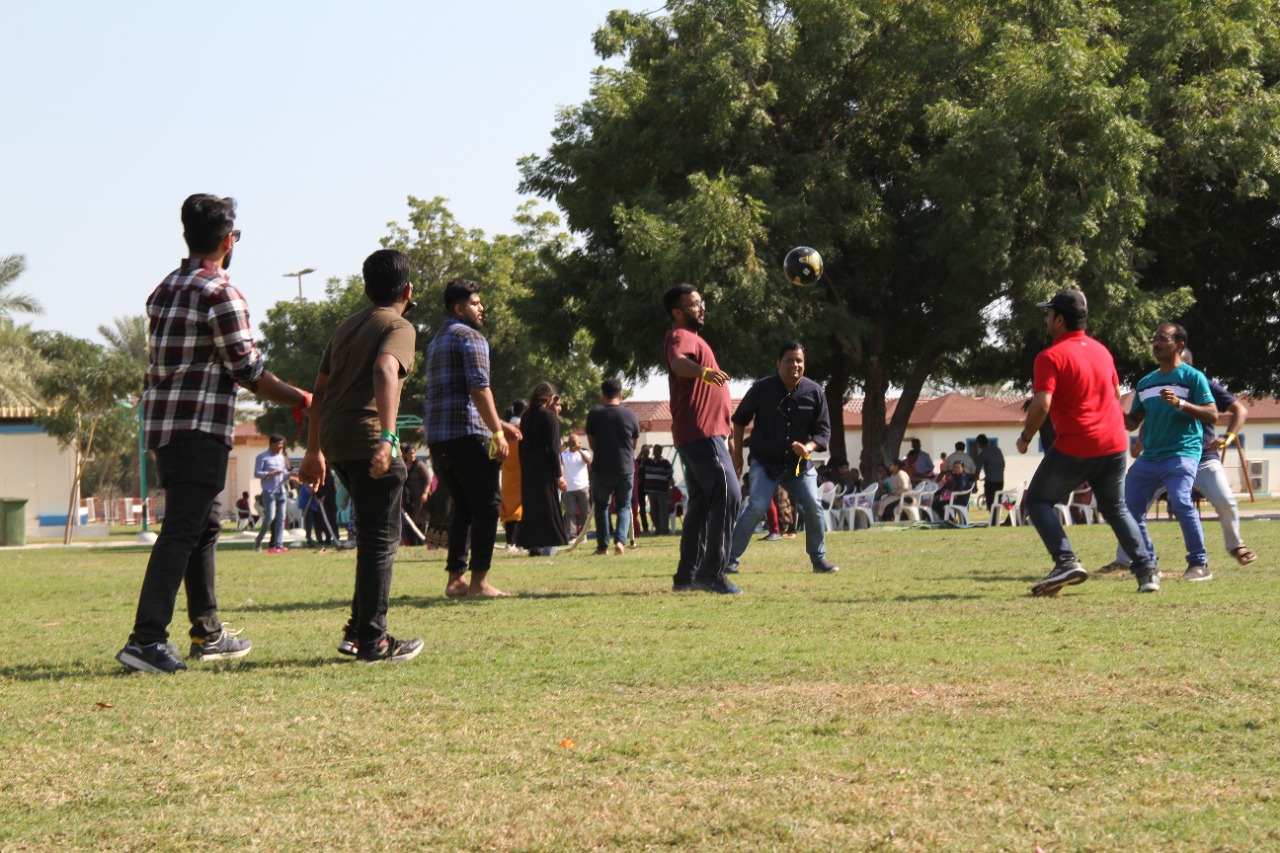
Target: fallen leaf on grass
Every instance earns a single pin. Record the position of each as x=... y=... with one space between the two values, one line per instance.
x=568 y=743
x=915 y=693
x=51 y=624
x=105 y=705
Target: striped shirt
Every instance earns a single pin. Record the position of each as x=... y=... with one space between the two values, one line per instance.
x=200 y=345
x=457 y=363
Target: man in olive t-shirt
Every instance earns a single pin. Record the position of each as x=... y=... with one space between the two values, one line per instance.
x=353 y=425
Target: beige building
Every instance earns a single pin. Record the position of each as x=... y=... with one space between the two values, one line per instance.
x=940 y=422
x=35 y=468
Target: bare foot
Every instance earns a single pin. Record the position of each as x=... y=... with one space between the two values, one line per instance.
x=486 y=590
x=619 y=549
x=456 y=588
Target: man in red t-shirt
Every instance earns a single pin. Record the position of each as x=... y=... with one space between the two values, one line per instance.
x=1076 y=386
x=700 y=430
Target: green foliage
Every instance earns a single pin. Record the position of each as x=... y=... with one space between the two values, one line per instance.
x=20 y=362
x=954 y=163
x=11 y=266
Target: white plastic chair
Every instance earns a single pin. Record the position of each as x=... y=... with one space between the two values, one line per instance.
x=1009 y=502
x=1088 y=509
x=839 y=516
x=916 y=503
x=957 y=506
x=862 y=504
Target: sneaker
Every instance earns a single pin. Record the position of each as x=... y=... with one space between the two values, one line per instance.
x=155 y=657
x=1063 y=575
x=1150 y=583
x=1112 y=568
x=1197 y=573
x=825 y=567
x=772 y=537
x=389 y=648
x=731 y=569
x=277 y=550
x=350 y=644
x=720 y=586
x=223 y=646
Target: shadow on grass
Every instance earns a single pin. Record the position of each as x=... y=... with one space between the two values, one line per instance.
x=939 y=597
x=82 y=672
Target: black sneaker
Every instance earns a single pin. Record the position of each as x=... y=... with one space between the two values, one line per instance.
x=720 y=586
x=389 y=648
x=224 y=645
x=1150 y=582
x=350 y=644
x=1062 y=575
x=825 y=567
x=681 y=586
x=1112 y=568
x=155 y=657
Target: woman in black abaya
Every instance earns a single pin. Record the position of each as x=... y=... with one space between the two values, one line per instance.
x=542 y=527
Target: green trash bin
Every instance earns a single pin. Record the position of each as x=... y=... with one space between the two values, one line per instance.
x=13 y=521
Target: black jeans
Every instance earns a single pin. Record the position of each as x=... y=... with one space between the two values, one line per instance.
x=712 y=506
x=377 y=505
x=193 y=471
x=473 y=480
x=1057 y=477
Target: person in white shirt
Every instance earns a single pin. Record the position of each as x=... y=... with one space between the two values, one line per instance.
x=575 y=460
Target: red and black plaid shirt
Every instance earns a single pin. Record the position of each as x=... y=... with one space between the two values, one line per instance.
x=201 y=345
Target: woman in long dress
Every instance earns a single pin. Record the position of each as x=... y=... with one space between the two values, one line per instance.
x=542 y=527
x=511 y=510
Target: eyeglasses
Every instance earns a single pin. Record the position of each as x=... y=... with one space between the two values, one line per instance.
x=1161 y=339
x=696 y=304
x=236 y=234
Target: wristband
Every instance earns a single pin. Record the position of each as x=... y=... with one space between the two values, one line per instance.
x=1179 y=399
x=1228 y=438
x=392 y=439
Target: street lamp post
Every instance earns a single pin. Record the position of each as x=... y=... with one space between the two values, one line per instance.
x=299 y=274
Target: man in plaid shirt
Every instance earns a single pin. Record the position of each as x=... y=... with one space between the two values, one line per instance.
x=465 y=436
x=201 y=348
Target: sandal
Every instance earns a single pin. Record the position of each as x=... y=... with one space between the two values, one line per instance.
x=1243 y=555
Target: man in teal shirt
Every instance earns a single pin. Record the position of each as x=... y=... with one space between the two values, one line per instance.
x=1173 y=401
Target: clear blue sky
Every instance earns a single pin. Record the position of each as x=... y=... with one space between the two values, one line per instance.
x=320 y=118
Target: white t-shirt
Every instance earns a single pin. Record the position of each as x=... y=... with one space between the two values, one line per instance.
x=576 y=475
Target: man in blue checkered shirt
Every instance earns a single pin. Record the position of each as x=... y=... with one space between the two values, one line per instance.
x=465 y=437
x=201 y=347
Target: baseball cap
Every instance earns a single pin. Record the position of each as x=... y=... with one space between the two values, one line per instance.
x=1069 y=301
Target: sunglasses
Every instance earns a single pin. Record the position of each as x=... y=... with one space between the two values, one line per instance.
x=236 y=235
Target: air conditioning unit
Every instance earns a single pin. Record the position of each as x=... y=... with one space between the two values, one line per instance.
x=1260 y=475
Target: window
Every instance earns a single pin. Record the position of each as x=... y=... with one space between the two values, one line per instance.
x=1270 y=440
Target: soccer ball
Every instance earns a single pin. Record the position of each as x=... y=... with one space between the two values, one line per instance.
x=803 y=266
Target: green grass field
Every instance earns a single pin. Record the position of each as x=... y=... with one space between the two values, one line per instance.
x=918 y=700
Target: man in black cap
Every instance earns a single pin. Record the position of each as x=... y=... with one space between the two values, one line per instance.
x=1077 y=387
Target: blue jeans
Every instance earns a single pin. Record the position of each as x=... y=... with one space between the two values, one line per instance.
x=193 y=471
x=804 y=492
x=1178 y=475
x=713 y=503
x=272 y=519
x=617 y=486
x=1057 y=477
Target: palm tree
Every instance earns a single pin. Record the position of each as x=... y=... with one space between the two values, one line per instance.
x=15 y=303
x=19 y=364
x=128 y=336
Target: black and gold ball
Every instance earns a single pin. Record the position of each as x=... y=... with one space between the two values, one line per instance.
x=803 y=266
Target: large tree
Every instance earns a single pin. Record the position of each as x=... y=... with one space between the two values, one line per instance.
x=439 y=249
x=88 y=392
x=953 y=162
x=19 y=361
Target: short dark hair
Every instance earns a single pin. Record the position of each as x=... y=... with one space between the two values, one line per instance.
x=611 y=388
x=459 y=290
x=276 y=438
x=898 y=462
x=1179 y=334
x=516 y=409
x=206 y=219
x=960 y=446
x=982 y=439
x=672 y=297
x=1074 y=321
x=386 y=272
x=405 y=448
x=789 y=346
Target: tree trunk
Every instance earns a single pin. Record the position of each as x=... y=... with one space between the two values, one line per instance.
x=835 y=394
x=73 y=510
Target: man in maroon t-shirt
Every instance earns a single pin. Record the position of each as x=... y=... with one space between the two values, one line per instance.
x=700 y=430
x=1076 y=385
